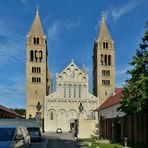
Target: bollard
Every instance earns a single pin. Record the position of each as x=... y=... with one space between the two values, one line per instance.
x=125 y=141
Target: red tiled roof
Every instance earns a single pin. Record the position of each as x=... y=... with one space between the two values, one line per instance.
x=9 y=110
x=112 y=100
x=117 y=90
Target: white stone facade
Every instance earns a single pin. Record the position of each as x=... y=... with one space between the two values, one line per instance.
x=111 y=112
x=62 y=106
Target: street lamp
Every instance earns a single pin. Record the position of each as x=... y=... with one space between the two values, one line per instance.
x=76 y=129
x=38 y=113
x=38 y=106
x=81 y=107
x=30 y=116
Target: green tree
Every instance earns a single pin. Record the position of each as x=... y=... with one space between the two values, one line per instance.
x=135 y=92
x=20 y=111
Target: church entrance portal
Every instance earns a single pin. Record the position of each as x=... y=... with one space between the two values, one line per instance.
x=71 y=124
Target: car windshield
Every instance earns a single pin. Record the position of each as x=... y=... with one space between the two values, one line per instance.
x=6 y=134
x=33 y=129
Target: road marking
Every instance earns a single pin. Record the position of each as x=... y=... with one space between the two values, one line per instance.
x=45 y=144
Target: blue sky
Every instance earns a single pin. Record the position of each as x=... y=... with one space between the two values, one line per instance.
x=71 y=27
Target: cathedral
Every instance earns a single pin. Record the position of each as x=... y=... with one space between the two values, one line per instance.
x=62 y=106
x=60 y=109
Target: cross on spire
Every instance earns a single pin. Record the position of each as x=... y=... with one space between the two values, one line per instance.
x=103 y=14
x=37 y=9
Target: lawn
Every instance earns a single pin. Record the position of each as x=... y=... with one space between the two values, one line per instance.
x=92 y=140
x=105 y=146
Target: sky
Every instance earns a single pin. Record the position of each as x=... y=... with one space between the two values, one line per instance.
x=71 y=26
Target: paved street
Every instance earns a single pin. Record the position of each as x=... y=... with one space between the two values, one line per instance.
x=53 y=140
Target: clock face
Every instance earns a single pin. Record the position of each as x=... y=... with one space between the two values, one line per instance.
x=72 y=75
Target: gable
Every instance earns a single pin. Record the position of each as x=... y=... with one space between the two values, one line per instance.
x=72 y=72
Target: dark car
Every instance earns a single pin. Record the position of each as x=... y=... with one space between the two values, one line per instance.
x=35 y=133
x=14 y=137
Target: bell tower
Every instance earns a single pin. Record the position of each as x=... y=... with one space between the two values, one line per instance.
x=38 y=80
x=103 y=64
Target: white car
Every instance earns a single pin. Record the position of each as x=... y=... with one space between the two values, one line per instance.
x=59 y=130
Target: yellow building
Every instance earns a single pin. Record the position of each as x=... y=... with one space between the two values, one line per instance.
x=38 y=80
x=103 y=64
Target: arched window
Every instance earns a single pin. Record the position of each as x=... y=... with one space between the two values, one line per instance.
x=79 y=91
x=36 y=55
x=34 y=40
x=105 y=59
x=51 y=115
x=101 y=59
x=69 y=87
x=37 y=40
x=103 y=72
x=105 y=93
x=33 y=79
x=31 y=55
x=39 y=80
x=39 y=69
x=64 y=91
x=75 y=91
x=40 y=55
x=106 y=45
x=109 y=60
x=32 y=69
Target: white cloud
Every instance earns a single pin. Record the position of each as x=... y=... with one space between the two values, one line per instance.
x=120 y=72
x=55 y=29
x=10 y=47
x=11 y=51
x=23 y=1
x=70 y=24
x=10 y=96
x=123 y=71
x=117 y=12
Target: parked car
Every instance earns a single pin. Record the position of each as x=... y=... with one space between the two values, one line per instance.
x=59 y=130
x=35 y=133
x=14 y=137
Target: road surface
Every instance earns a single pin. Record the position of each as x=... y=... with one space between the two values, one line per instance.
x=54 y=140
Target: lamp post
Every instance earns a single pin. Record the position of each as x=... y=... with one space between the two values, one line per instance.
x=81 y=107
x=77 y=130
x=30 y=116
x=38 y=113
x=38 y=106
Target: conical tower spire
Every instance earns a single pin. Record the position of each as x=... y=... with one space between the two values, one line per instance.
x=103 y=32
x=36 y=29
x=84 y=69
